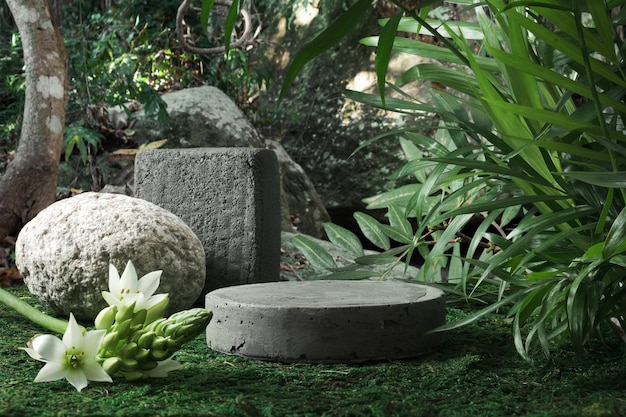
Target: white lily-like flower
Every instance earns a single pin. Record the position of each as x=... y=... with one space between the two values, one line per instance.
x=73 y=358
x=127 y=288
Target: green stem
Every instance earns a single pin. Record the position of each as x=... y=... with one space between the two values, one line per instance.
x=31 y=313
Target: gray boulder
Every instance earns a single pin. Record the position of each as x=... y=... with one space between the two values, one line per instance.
x=199 y=117
x=204 y=117
x=65 y=251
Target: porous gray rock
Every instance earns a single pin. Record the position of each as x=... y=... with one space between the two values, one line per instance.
x=199 y=117
x=65 y=251
x=230 y=199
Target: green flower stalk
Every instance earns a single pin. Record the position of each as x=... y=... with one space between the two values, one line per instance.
x=135 y=349
x=139 y=342
x=31 y=313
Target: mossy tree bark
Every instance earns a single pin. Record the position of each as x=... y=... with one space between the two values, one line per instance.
x=29 y=182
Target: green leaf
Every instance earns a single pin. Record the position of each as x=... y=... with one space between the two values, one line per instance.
x=391 y=103
x=399 y=222
x=395 y=234
x=469 y=30
x=478 y=207
x=450 y=77
x=231 y=21
x=316 y=254
x=343 y=238
x=383 y=52
x=594 y=252
x=412 y=153
x=471 y=318
x=437 y=53
x=80 y=143
x=325 y=40
x=207 y=5
x=372 y=230
x=399 y=196
x=377 y=259
x=455 y=266
x=509 y=214
x=352 y=275
x=410 y=150
x=600 y=17
x=603 y=179
x=616 y=237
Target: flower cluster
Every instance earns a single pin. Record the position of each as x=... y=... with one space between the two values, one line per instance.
x=132 y=338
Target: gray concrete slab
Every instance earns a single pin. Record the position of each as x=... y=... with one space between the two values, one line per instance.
x=326 y=321
x=229 y=197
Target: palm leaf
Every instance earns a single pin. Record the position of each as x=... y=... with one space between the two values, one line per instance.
x=325 y=40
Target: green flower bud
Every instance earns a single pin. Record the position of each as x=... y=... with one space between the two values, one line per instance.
x=112 y=365
x=174 y=344
x=157 y=311
x=192 y=323
x=110 y=341
x=170 y=329
x=148 y=365
x=142 y=355
x=123 y=328
x=139 y=317
x=129 y=364
x=184 y=330
x=160 y=355
x=125 y=312
x=105 y=318
x=159 y=343
x=145 y=339
x=129 y=350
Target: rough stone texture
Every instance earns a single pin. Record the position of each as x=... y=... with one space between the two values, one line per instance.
x=326 y=321
x=230 y=199
x=199 y=117
x=65 y=251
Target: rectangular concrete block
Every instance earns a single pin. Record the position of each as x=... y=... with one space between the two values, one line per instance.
x=230 y=199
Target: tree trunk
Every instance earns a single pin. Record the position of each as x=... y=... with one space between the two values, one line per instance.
x=29 y=182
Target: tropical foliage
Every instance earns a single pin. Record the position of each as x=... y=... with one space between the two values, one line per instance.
x=522 y=187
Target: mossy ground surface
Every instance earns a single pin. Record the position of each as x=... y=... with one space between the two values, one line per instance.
x=476 y=373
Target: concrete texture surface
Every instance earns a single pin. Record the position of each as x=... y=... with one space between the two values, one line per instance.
x=230 y=199
x=326 y=321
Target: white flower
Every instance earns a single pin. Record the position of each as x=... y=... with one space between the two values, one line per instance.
x=128 y=288
x=73 y=358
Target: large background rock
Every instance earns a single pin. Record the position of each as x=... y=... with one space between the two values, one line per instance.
x=199 y=117
x=202 y=117
x=64 y=252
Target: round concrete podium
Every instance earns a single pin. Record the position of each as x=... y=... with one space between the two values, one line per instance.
x=326 y=321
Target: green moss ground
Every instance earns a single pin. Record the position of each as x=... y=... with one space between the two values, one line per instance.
x=476 y=373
